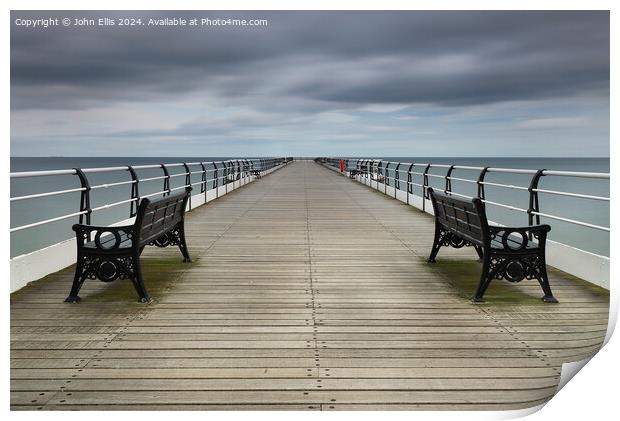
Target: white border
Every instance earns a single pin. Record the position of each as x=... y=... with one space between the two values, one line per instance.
x=592 y=396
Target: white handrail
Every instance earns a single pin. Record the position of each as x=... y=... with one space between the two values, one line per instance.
x=572 y=221
x=25 y=174
x=583 y=196
x=107 y=185
x=577 y=174
x=508 y=186
x=113 y=204
x=47 y=221
x=52 y=193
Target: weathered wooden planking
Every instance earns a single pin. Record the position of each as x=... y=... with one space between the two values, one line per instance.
x=326 y=362
x=446 y=397
x=277 y=384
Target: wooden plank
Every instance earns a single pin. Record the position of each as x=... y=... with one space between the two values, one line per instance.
x=164 y=373
x=278 y=384
x=262 y=397
x=173 y=407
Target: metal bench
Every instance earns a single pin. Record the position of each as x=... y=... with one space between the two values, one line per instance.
x=355 y=172
x=507 y=253
x=114 y=252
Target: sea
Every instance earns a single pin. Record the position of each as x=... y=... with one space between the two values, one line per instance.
x=585 y=210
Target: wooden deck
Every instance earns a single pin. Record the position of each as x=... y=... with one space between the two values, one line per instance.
x=308 y=291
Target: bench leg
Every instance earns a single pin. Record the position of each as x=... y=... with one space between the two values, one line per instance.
x=137 y=281
x=78 y=280
x=479 y=251
x=437 y=242
x=543 y=280
x=485 y=279
x=183 y=245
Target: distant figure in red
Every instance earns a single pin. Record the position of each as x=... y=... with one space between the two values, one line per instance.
x=342 y=165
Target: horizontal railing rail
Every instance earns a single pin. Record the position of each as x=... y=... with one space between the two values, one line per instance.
x=393 y=173
x=221 y=174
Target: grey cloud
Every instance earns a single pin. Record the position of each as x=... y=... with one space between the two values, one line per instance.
x=516 y=54
x=461 y=74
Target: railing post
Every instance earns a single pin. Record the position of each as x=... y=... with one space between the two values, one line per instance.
x=534 y=205
x=225 y=176
x=425 y=186
x=203 y=180
x=386 y=177
x=133 y=206
x=480 y=183
x=448 y=188
x=246 y=171
x=188 y=182
x=216 y=180
x=166 y=180
x=409 y=182
x=84 y=197
x=396 y=180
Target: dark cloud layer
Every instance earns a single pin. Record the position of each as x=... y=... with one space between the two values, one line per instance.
x=399 y=83
x=345 y=57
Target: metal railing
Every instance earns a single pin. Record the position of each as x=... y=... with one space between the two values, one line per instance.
x=219 y=174
x=414 y=174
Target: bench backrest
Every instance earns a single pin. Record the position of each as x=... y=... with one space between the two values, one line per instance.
x=467 y=218
x=154 y=217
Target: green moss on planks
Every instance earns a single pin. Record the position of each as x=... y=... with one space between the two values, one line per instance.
x=159 y=272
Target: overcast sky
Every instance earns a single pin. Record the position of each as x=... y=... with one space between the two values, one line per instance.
x=314 y=84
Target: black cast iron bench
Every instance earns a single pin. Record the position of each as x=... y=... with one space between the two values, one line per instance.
x=114 y=252
x=507 y=253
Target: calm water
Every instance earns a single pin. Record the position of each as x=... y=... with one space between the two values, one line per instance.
x=595 y=212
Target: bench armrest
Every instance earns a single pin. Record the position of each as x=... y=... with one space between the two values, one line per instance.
x=534 y=229
x=84 y=233
x=531 y=228
x=525 y=235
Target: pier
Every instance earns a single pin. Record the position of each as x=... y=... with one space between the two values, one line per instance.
x=308 y=291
